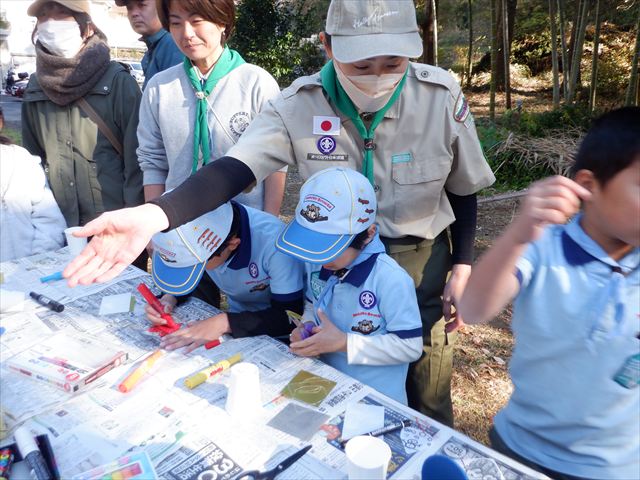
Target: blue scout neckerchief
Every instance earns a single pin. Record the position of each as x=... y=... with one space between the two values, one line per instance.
x=229 y=60
x=374 y=247
x=340 y=98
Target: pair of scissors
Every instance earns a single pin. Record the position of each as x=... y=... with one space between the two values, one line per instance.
x=275 y=471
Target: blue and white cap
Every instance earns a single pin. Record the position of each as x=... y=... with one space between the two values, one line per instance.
x=335 y=205
x=180 y=255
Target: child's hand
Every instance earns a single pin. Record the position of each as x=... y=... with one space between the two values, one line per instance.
x=197 y=334
x=550 y=201
x=325 y=339
x=295 y=335
x=169 y=302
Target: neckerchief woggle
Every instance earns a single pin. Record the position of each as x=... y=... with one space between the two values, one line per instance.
x=229 y=60
x=336 y=93
x=375 y=246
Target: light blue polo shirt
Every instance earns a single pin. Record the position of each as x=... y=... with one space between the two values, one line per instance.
x=258 y=271
x=575 y=322
x=376 y=297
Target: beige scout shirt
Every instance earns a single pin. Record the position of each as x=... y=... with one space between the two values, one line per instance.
x=421 y=149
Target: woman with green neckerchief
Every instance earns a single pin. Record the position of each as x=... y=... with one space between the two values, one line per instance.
x=194 y=112
x=406 y=126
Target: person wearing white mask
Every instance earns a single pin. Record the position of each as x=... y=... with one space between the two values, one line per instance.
x=89 y=158
x=406 y=126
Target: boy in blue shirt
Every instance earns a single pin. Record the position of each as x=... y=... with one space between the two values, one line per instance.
x=362 y=303
x=575 y=408
x=234 y=244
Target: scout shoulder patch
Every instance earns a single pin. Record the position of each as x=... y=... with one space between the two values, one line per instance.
x=461 y=111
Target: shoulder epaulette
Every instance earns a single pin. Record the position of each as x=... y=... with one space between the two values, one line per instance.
x=311 y=81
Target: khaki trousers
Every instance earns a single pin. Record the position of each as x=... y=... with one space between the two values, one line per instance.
x=428 y=262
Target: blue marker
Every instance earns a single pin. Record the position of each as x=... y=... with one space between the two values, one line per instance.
x=52 y=277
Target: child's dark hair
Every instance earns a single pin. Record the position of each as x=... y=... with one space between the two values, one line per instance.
x=233 y=232
x=359 y=240
x=611 y=144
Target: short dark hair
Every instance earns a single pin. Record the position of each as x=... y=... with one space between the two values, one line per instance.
x=222 y=12
x=611 y=144
x=234 y=231
x=359 y=240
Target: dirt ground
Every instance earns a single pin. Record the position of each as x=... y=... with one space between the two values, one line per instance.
x=480 y=384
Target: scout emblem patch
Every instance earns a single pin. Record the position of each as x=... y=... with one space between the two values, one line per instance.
x=367 y=300
x=253 y=270
x=461 y=111
x=323 y=125
x=326 y=145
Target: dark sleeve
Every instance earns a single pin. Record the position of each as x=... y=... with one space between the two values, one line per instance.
x=463 y=230
x=205 y=190
x=272 y=321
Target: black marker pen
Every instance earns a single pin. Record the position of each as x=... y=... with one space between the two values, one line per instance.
x=30 y=452
x=392 y=427
x=47 y=302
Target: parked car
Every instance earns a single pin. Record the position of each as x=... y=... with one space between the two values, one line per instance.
x=135 y=69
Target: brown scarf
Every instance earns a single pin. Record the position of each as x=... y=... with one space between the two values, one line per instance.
x=64 y=80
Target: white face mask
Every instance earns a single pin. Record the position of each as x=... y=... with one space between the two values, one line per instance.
x=60 y=37
x=369 y=93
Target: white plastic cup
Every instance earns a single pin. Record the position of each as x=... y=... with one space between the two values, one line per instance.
x=243 y=397
x=367 y=458
x=76 y=244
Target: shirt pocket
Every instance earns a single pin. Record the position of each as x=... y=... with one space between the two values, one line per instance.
x=418 y=186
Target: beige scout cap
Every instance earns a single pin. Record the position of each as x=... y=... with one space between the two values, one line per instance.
x=362 y=29
x=74 y=5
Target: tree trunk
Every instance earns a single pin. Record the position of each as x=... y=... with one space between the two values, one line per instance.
x=554 y=54
x=634 y=88
x=430 y=33
x=470 y=47
x=434 y=9
x=494 y=59
x=511 y=15
x=506 y=50
x=577 y=50
x=594 y=62
x=563 y=47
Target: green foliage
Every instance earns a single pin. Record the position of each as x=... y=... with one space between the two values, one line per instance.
x=14 y=135
x=276 y=35
x=543 y=123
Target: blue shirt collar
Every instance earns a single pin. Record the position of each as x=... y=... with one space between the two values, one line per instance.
x=152 y=40
x=356 y=275
x=242 y=255
x=579 y=249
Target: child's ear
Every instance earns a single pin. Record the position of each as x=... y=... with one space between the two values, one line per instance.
x=585 y=178
x=234 y=243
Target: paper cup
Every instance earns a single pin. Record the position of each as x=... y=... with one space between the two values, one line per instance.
x=76 y=244
x=243 y=397
x=367 y=458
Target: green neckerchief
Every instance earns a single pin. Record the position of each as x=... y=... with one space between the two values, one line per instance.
x=229 y=60
x=337 y=94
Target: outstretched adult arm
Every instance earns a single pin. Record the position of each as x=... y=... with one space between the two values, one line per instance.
x=120 y=236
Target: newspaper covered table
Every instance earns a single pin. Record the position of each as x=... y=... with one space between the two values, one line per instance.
x=187 y=433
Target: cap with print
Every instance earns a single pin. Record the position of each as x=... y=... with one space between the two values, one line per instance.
x=335 y=205
x=73 y=5
x=180 y=255
x=362 y=29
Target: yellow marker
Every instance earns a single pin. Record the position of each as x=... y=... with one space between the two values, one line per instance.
x=196 y=379
x=135 y=376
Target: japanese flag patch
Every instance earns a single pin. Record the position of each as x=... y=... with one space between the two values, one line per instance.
x=461 y=111
x=326 y=125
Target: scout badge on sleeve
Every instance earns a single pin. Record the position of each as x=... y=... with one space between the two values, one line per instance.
x=461 y=111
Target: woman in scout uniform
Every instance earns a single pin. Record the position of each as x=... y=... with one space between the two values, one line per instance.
x=419 y=150
x=362 y=303
x=234 y=245
x=194 y=112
